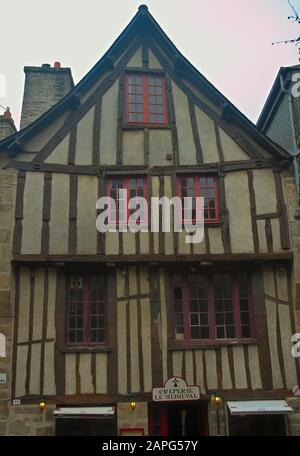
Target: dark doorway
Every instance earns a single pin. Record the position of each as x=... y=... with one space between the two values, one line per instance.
x=257 y=425
x=104 y=426
x=178 y=419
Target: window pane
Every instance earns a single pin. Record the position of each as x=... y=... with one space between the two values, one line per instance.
x=230 y=332
x=197 y=295
x=220 y=332
x=177 y=293
x=243 y=281
x=195 y=333
x=246 y=331
x=204 y=333
x=224 y=315
x=198 y=305
x=194 y=319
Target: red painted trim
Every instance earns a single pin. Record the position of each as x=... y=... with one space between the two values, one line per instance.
x=164 y=431
x=145 y=99
x=197 y=187
x=87 y=307
x=211 y=309
x=211 y=313
x=236 y=308
x=126 y=187
x=251 y=309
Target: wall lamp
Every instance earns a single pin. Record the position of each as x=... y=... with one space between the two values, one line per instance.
x=216 y=402
x=132 y=405
x=42 y=405
x=216 y=399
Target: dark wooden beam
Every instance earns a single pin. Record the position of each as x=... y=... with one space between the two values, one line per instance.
x=195 y=131
x=60 y=305
x=72 y=146
x=224 y=167
x=19 y=209
x=30 y=330
x=44 y=328
x=112 y=356
x=162 y=259
x=156 y=355
x=253 y=211
x=261 y=329
x=73 y=215
x=96 y=133
x=46 y=213
x=282 y=210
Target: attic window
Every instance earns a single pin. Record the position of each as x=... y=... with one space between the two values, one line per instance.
x=146 y=99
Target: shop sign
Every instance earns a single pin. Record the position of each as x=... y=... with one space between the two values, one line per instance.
x=176 y=389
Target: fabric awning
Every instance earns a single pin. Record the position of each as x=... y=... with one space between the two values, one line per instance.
x=258 y=407
x=84 y=411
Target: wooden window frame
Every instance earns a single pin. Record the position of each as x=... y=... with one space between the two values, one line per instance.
x=86 y=314
x=187 y=341
x=196 y=180
x=126 y=180
x=145 y=100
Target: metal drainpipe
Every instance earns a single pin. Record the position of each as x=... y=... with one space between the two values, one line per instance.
x=296 y=151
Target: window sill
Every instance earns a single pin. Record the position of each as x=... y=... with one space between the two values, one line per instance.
x=86 y=349
x=214 y=224
x=187 y=345
x=143 y=126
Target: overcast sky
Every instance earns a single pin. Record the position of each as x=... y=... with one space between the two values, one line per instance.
x=229 y=41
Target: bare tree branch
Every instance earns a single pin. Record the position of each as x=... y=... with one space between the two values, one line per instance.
x=295 y=18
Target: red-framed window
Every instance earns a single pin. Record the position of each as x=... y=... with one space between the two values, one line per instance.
x=212 y=306
x=86 y=310
x=146 y=99
x=197 y=186
x=135 y=187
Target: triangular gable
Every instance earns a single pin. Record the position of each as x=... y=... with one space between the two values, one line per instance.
x=143 y=40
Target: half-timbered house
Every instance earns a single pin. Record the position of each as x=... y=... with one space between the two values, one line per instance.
x=123 y=332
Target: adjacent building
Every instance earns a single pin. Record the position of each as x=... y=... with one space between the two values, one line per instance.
x=144 y=333
x=280 y=121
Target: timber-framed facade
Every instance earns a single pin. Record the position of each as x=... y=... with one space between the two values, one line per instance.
x=135 y=340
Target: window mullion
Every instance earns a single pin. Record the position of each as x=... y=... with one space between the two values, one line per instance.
x=217 y=195
x=127 y=98
x=250 y=307
x=86 y=311
x=211 y=307
x=236 y=307
x=186 y=309
x=145 y=100
x=164 y=98
x=126 y=188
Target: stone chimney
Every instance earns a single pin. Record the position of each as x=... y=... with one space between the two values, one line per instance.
x=44 y=87
x=7 y=126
